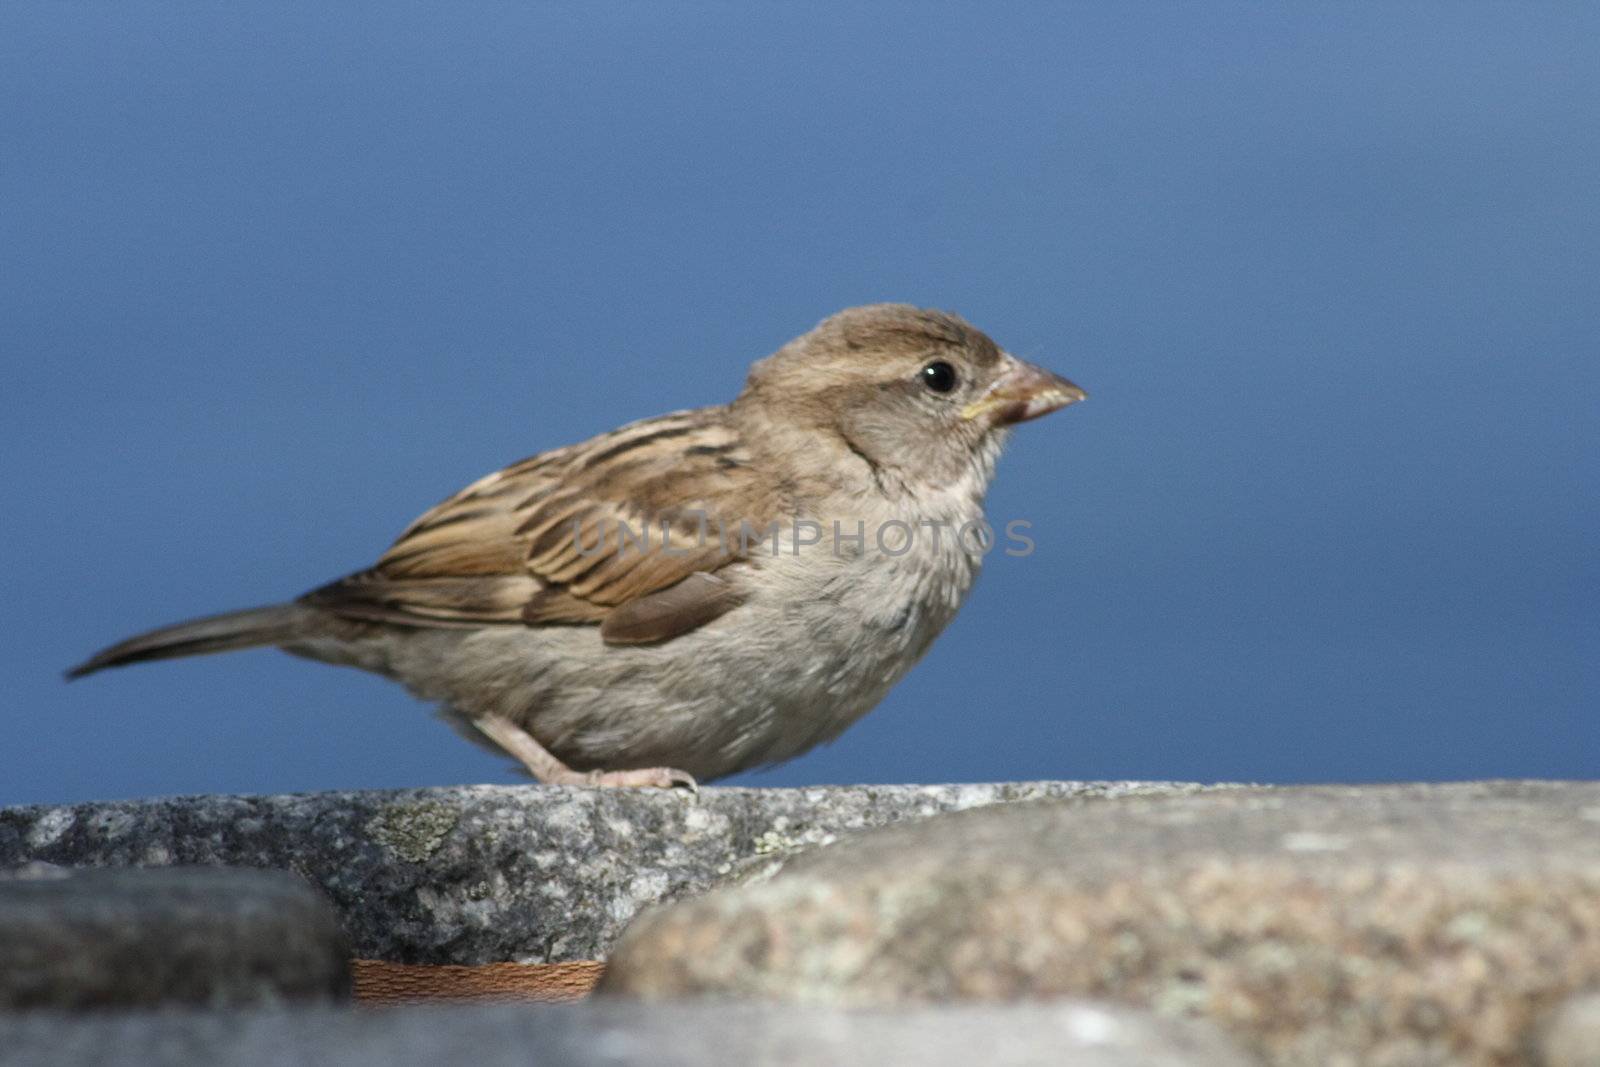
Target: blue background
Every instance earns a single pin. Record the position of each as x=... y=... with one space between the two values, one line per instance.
x=274 y=281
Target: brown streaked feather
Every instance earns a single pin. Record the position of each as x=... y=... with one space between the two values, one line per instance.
x=450 y=602
x=523 y=545
x=670 y=612
x=556 y=605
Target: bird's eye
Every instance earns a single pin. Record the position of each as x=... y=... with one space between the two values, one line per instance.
x=939 y=376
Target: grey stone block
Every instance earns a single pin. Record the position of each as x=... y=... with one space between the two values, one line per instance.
x=1375 y=925
x=624 y=1035
x=481 y=874
x=132 y=938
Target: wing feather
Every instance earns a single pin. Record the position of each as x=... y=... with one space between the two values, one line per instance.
x=541 y=541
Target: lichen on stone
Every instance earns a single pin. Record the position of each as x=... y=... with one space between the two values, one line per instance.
x=413 y=831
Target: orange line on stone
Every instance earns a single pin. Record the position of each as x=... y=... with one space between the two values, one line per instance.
x=381 y=982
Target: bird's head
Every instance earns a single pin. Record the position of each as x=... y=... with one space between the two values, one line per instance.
x=918 y=393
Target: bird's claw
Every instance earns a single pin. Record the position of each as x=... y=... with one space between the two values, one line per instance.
x=644 y=778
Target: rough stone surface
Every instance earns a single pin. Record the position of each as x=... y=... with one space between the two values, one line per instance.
x=1571 y=1038
x=104 y=939
x=1372 y=925
x=483 y=874
x=623 y=1035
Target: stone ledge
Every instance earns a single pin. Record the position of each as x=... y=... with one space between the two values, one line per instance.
x=491 y=874
x=597 y=1034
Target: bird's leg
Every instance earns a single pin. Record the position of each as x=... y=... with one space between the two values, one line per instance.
x=551 y=771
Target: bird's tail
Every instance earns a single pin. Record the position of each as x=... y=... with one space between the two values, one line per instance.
x=215 y=633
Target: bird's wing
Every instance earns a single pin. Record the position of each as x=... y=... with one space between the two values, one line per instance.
x=542 y=541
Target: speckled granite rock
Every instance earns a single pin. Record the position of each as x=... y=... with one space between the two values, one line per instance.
x=481 y=874
x=625 y=1035
x=118 y=939
x=1376 y=925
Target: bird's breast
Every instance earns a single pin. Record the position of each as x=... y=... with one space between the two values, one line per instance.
x=876 y=587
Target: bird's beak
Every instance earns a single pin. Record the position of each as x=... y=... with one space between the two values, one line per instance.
x=1023 y=392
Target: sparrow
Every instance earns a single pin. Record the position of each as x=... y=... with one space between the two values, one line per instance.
x=696 y=594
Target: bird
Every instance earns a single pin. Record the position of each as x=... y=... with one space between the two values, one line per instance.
x=695 y=594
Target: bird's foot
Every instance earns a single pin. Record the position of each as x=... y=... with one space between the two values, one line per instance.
x=551 y=771
x=642 y=778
